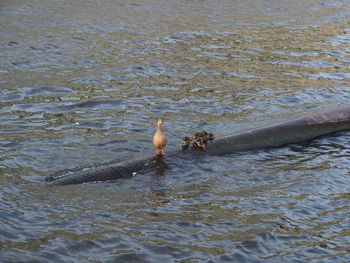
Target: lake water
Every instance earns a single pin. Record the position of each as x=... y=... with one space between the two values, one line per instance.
x=85 y=81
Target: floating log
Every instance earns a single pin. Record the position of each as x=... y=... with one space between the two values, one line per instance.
x=295 y=131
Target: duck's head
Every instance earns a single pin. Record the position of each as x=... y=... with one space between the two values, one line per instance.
x=160 y=123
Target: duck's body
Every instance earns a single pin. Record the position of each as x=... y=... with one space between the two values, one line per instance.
x=159 y=138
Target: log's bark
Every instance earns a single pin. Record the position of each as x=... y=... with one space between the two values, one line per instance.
x=294 y=131
x=109 y=171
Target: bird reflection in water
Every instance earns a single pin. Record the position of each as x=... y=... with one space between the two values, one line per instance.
x=158 y=194
x=160 y=166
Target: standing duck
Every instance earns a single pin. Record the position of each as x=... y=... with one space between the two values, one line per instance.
x=159 y=139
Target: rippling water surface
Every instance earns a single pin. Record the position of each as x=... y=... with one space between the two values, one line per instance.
x=85 y=81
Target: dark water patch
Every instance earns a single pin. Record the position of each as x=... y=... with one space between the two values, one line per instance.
x=297 y=54
x=337 y=53
x=21 y=64
x=208 y=73
x=308 y=64
x=161 y=88
x=12 y=97
x=215 y=47
x=55 y=107
x=335 y=76
x=242 y=75
x=171 y=39
x=154 y=69
x=29 y=91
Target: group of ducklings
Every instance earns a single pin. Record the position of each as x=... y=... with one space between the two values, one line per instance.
x=197 y=141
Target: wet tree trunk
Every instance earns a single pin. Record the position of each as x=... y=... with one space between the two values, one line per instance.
x=294 y=131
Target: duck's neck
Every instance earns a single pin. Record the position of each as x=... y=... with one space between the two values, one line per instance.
x=160 y=128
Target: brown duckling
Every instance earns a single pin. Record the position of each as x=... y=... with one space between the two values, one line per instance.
x=200 y=143
x=186 y=142
x=159 y=139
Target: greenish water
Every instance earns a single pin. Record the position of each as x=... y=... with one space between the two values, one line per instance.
x=85 y=81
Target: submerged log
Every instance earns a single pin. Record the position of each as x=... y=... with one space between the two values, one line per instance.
x=107 y=171
x=299 y=130
x=294 y=131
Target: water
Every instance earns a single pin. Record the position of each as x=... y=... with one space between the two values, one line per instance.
x=85 y=81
